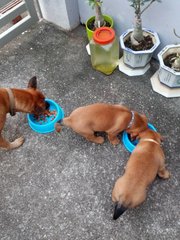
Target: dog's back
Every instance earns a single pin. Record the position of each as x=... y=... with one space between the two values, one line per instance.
x=98 y=117
x=101 y=117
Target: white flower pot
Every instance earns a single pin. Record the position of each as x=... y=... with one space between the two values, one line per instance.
x=167 y=75
x=138 y=59
x=163 y=89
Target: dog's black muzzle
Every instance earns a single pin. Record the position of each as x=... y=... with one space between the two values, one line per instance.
x=47 y=105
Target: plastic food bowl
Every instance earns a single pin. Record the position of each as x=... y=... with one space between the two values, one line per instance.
x=46 y=124
x=130 y=145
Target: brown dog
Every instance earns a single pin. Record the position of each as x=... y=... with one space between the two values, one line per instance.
x=145 y=162
x=13 y=100
x=101 y=117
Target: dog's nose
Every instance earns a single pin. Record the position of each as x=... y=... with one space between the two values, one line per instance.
x=47 y=105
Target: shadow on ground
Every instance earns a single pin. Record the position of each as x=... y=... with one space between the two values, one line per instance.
x=58 y=186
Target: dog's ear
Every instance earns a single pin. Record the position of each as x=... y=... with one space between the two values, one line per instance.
x=144 y=117
x=32 y=83
x=161 y=137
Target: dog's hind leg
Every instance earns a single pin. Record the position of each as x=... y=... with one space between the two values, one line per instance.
x=91 y=137
x=163 y=173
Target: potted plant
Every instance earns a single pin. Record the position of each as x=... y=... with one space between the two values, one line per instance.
x=166 y=80
x=139 y=43
x=99 y=20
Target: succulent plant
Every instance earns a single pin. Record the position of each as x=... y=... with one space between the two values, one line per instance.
x=175 y=61
x=137 y=34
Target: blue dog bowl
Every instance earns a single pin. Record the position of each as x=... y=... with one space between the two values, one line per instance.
x=130 y=145
x=46 y=125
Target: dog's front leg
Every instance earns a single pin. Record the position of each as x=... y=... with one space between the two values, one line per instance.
x=3 y=142
x=11 y=145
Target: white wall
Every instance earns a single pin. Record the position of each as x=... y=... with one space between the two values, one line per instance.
x=63 y=13
x=160 y=17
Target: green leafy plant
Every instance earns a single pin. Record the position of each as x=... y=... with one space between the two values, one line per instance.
x=99 y=19
x=137 y=34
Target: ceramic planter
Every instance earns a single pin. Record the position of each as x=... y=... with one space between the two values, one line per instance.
x=166 y=81
x=137 y=60
x=167 y=75
x=90 y=32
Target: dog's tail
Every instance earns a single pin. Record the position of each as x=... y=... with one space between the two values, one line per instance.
x=118 y=210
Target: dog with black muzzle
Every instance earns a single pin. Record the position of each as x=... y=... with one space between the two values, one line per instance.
x=102 y=117
x=146 y=161
x=13 y=100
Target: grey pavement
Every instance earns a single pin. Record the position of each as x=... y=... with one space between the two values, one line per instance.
x=58 y=186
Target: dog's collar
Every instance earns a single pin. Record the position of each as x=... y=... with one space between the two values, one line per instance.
x=11 y=102
x=149 y=140
x=132 y=120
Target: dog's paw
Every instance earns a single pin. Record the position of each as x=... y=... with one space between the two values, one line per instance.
x=17 y=143
x=115 y=141
x=99 y=140
x=165 y=174
x=58 y=127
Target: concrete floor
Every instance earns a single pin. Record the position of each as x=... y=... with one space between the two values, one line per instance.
x=58 y=186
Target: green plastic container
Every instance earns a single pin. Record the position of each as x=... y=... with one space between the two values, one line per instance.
x=90 y=32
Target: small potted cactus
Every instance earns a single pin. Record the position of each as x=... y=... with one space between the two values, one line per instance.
x=139 y=43
x=166 y=80
x=169 y=70
x=99 y=20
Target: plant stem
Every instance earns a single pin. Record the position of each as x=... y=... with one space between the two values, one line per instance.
x=137 y=34
x=99 y=19
x=175 y=33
